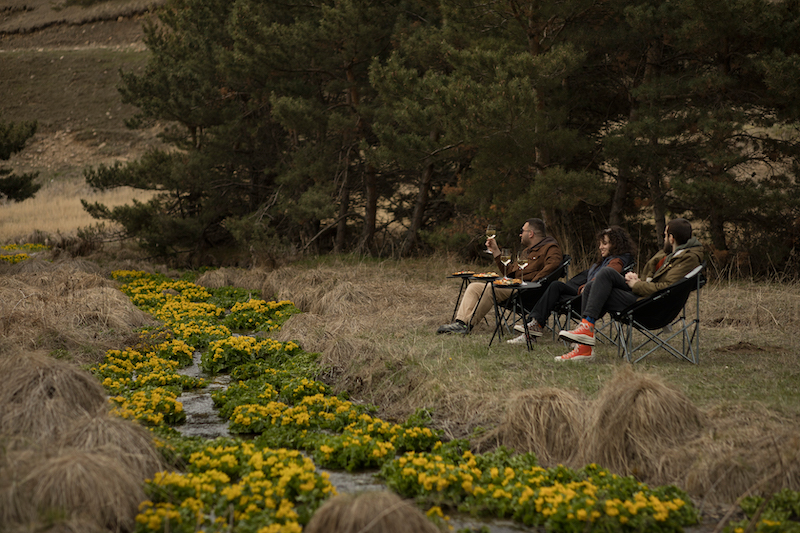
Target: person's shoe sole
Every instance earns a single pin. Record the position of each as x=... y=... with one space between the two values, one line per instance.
x=575 y=358
x=532 y=333
x=577 y=337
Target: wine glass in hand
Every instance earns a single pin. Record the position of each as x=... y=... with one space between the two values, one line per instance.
x=491 y=233
x=505 y=258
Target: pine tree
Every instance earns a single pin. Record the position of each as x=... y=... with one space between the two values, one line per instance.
x=13 y=136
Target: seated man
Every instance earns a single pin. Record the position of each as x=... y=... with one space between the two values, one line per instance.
x=544 y=256
x=615 y=249
x=609 y=291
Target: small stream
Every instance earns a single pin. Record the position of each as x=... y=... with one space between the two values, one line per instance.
x=202 y=420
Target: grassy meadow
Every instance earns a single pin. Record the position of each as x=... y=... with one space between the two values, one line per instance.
x=719 y=430
x=374 y=322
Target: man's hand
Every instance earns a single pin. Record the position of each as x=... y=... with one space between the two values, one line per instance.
x=491 y=244
x=631 y=278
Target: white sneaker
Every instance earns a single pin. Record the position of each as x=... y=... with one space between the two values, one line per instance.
x=518 y=340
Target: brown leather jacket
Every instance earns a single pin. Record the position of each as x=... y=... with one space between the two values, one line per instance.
x=543 y=258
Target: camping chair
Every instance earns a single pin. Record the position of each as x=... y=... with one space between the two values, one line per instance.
x=522 y=303
x=661 y=318
x=568 y=310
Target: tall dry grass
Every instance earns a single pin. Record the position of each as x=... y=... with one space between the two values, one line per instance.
x=41 y=396
x=91 y=488
x=56 y=209
x=66 y=306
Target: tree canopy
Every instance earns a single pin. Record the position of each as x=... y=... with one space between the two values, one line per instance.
x=402 y=126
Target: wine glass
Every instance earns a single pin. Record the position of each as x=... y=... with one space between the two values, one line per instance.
x=491 y=233
x=505 y=258
x=522 y=261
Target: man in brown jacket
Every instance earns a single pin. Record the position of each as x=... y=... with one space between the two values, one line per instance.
x=544 y=256
x=610 y=291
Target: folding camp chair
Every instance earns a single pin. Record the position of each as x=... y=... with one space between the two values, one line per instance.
x=523 y=301
x=662 y=319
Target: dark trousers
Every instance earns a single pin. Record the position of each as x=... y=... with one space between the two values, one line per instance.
x=606 y=292
x=555 y=292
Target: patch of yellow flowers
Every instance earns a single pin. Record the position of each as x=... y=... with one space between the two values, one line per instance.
x=554 y=498
x=274 y=487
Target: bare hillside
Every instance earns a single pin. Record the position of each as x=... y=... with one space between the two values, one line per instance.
x=59 y=65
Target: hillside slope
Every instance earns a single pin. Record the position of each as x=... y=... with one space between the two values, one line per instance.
x=59 y=66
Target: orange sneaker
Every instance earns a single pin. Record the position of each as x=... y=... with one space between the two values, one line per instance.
x=583 y=334
x=581 y=352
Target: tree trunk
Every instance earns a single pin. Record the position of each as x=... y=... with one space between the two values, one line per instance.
x=344 y=205
x=370 y=210
x=717 y=230
x=618 y=201
x=657 y=197
x=418 y=217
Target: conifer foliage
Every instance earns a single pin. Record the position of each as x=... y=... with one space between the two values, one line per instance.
x=395 y=126
x=13 y=136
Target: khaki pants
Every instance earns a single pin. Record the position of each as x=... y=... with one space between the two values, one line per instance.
x=473 y=302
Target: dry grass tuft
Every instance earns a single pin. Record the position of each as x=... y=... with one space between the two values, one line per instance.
x=64 y=307
x=740 y=452
x=547 y=422
x=215 y=279
x=308 y=330
x=369 y=511
x=41 y=396
x=67 y=525
x=126 y=440
x=252 y=279
x=86 y=487
x=635 y=419
x=355 y=361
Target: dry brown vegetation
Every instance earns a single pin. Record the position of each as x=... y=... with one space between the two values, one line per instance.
x=61 y=453
x=720 y=429
x=59 y=450
x=369 y=511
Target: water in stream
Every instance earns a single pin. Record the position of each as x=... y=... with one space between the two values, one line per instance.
x=202 y=420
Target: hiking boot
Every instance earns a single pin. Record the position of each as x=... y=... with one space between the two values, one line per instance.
x=583 y=334
x=534 y=329
x=518 y=340
x=455 y=327
x=580 y=352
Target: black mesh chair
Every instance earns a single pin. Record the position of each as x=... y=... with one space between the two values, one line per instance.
x=522 y=301
x=662 y=320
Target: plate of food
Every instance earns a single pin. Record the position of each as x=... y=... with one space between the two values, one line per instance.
x=487 y=275
x=507 y=282
x=464 y=273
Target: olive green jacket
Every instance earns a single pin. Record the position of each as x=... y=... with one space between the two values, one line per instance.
x=676 y=265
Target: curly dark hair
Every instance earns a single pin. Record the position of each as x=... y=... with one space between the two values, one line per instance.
x=620 y=240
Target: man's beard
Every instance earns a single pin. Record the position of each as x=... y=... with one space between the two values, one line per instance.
x=667 y=247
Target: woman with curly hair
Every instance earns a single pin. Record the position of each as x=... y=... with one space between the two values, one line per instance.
x=615 y=249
